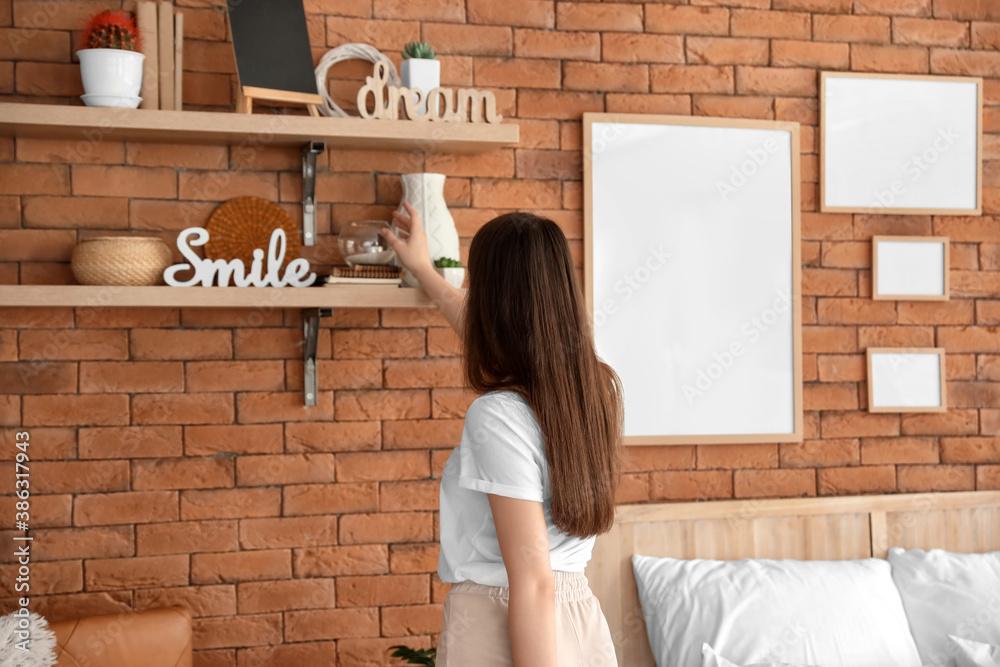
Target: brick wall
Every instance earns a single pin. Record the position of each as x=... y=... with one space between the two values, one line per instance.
x=173 y=460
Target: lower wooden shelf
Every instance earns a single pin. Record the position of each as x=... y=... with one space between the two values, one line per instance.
x=101 y=296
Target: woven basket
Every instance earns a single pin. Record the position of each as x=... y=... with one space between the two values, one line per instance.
x=120 y=260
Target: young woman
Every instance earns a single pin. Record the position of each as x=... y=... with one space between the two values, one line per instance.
x=534 y=479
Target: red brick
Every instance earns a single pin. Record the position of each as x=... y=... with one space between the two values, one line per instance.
x=142 y=572
x=131 y=376
x=201 y=600
x=69 y=410
x=337 y=498
x=251 y=439
x=727 y=51
x=969 y=339
x=179 y=344
x=281 y=469
x=603 y=16
x=605 y=77
x=422 y=433
x=47 y=79
x=754 y=23
x=729 y=106
x=230 y=503
x=929 y=32
x=471 y=40
x=258 y=597
x=858 y=424
x=70 y=543
x=987 y=478
x=74 y=212
x=402 y=374
x=205 y=472
x=332 y=624
x=46 y=443
x=130 y=442
x=516 y=73
x=834 y=28
x=382 y=405
x=74 y=344
x=691 y=79
x=690 y=484
x=235 y=376
x=876 y=451
x=820 y=453
x=46 y=511
x=512 y=193
x=409 y=496
x=857 y=480
x=37 y=377
x=331 y=436
x=259 y=407
x=783 y=483
x=560 y=45
x=413 y=558
x=737 y=456
x=952 y=422
x=529 y=13
x=185 y=537
x=339 y=561
x=113 y=181
x=221 y=185
x=934 y=312
x=936 y=478
x=176 y=155
x=386 y=528
x=288 y=532
x=384 y=590
x=686 y=20
x=205 y=408
x=495 y=164
x=80 y=476
x=412 y=620
x=107 y=509
x=896 y=59
x=892 y=336
x=237 y=631
x=776 y=81
x=381 y=466
x=894 y=7
x=241 y=566
x=793 y=53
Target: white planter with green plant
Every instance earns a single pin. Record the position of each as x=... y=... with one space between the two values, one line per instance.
x=421 y=69
x=451 y=270
x=110 y=62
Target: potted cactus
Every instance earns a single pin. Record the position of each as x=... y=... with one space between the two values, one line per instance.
x=110 y=62
x=420 y=69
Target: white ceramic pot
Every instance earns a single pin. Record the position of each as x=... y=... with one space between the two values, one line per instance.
x=422 y=73
x=425 y=192
x=455 y=275
x=110 y=73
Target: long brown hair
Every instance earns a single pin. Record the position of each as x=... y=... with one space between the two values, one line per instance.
x=526 y=329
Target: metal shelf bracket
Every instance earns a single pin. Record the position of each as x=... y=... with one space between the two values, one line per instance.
x=310 y=334
x=309 y=153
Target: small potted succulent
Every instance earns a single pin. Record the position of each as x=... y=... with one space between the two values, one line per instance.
x=110 y=62
x=451 y=270
x=420 y=69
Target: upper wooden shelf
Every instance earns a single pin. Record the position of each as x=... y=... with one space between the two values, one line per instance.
x=334 y=296
x=49 y=121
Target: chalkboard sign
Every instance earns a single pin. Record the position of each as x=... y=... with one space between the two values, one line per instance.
x=273 y=59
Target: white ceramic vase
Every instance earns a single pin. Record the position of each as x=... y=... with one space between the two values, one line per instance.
x=111 y=77
x=425 y=192
x=422 y=73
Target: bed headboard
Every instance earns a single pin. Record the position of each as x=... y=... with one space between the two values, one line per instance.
x=828 y=528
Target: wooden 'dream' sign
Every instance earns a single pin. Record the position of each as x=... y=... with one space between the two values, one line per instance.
x=273 y=59
x=465 y=104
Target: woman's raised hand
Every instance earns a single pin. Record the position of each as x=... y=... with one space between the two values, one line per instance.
x=411 y=246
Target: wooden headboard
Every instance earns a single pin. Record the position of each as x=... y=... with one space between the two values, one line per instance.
x=829 y=528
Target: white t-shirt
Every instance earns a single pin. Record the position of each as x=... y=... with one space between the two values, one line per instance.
x=502 y=452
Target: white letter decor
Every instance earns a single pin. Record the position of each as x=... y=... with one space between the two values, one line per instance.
x=205 y=270
x=467 y=104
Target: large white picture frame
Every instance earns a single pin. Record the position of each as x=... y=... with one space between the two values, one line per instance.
x=897 y=143
x=693 y=273
x=906 y=379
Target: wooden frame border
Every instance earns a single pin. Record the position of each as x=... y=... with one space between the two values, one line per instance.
x=900 y=211
x=869 y=524
x=911 y=239
x=940 y=351
x=589 y=118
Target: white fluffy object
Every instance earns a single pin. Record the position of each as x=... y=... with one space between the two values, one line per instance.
x=41 y=644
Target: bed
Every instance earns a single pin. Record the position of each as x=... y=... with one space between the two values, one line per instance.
x=828 y=528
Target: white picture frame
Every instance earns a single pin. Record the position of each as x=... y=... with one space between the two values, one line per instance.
x=702 y=215
x=910 y=268
x=906 y=379
x=900 y=144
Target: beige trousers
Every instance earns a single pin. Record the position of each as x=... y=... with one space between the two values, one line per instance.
x=475 y=631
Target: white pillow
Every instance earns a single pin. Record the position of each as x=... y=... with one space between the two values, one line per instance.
x=947 y=593
x=969 y=653
x=831 y=613
x=709 y=658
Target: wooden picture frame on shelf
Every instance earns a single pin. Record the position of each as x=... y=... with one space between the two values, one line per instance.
x=910 y=268
x=693 y=274
x=906 y=379
x=900 y=144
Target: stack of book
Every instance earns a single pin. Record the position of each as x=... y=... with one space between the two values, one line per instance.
x=367 y=274
x=163 y=45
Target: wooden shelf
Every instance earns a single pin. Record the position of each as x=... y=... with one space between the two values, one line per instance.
x=49 y=121
x=337 y=296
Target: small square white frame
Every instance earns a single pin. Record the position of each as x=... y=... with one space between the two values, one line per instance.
x=910 y=268
x=906 y=379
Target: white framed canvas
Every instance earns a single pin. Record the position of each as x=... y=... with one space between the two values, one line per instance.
x=910 y=268
x=896 y=143
x=906 y=379
x=692 y=273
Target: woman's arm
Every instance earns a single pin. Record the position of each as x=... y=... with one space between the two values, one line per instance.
x=524 y=547
x=413 y=254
